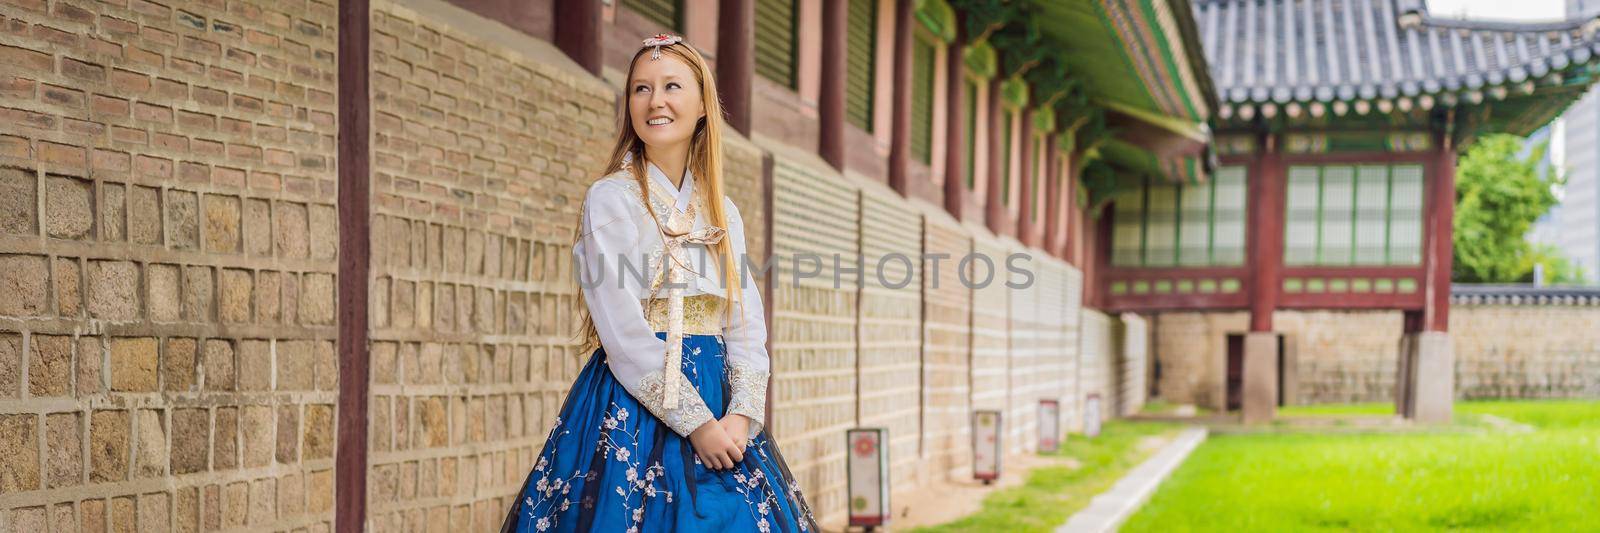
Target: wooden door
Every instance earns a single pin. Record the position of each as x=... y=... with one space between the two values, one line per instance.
x=1235 y=372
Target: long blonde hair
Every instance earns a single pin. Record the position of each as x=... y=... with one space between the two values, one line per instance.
x=705 y=163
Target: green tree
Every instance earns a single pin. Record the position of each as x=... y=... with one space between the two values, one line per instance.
x=1498 y=197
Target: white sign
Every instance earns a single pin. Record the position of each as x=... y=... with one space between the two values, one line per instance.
x=1091 y=416
x=1049 y=425
x=868 y=466
x=986 y=450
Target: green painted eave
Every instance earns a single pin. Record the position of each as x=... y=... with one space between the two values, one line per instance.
x=1094 y=52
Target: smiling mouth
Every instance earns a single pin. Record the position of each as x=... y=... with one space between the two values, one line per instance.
x=659 y=121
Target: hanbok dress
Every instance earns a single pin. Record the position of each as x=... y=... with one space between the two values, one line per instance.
x=618 y=457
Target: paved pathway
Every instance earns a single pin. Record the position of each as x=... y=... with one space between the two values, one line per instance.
x=1107 y=511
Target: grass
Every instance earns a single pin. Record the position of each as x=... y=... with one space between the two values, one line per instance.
x=1161 y=407
x=1546 y=480
x=1053 y=493
x=1338 y=409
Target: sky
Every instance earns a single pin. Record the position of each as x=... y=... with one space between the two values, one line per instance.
x=1499 y=9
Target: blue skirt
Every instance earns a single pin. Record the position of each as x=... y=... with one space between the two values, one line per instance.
x=610 y=465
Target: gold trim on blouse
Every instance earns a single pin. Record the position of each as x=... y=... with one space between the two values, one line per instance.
x=702 y=314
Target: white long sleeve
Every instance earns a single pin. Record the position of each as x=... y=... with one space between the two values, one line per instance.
x=610 y=232
x=746 y=337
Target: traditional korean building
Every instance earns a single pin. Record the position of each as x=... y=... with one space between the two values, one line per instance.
x=1315 y=264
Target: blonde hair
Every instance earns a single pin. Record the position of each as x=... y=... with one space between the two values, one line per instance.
x=705 y=163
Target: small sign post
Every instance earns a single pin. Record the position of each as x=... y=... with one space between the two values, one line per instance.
x=868 y=468
x=986 y=445
x=1091 y=416
x=1049 y=425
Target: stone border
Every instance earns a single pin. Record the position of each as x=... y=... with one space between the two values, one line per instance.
x=1108 y=510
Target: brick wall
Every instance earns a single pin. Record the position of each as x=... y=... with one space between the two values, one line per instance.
x=167 y=261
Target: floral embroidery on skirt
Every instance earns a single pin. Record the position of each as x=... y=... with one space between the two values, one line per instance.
x=609 y=465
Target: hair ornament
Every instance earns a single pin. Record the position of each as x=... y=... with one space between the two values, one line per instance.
x=660 y=40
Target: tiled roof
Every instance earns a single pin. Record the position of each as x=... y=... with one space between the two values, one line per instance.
x=1464 y=294
x=1343 y=53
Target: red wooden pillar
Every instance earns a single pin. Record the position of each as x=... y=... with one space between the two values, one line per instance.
x=578 y=33
x=831 y=101
x=955 y=153
x=1075 y=225
x=1265 y=244
x=1441 y=237
x=735 y=59
x=1027 y=231
x=994 y=208
x=900 y=145
x=355 y=255
x=1052 y=197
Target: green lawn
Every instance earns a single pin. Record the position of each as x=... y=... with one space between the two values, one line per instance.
x=1545 y=480
x=1051 y=494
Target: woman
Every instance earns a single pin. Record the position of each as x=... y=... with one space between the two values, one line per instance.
x=662 y=429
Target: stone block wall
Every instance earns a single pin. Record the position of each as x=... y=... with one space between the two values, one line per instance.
x=169 y=244
x=1501 y=351
x=1191 y=351
x=814 y=336
x=1340 y=356
x=890 y=328
x=946 y=345
x=991 y=343
x=167 y=261
x=476 y=189
x=1526 y=351
x=1096 y=371
x=1132 y=364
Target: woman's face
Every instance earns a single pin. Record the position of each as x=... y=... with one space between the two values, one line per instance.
x=664 y=102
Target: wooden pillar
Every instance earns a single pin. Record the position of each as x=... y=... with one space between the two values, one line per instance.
x=578 y=33
x=955 y=153
x=735 y=59
x=900 y=127
x=994 y=208
x=1441 y=236
x=1076 y=218
x=1052 y=198
x=1265 y=232
x=835 y=18
x=1097 y=255
x=354 y=205
x=1027 y=231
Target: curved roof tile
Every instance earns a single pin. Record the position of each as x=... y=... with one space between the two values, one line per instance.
x=1279 y=51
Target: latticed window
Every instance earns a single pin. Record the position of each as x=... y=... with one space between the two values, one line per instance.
x=1353 y=215
x=922 y=67
x=860 y=62
x=663 y=12
x=1160 y=225
x=775 y=33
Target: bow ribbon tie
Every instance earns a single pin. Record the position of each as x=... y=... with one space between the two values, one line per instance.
x=676 y=265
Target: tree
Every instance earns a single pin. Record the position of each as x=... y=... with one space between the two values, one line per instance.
x=1498 y=197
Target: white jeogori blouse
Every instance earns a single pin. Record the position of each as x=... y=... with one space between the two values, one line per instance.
x=620 y=252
